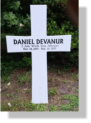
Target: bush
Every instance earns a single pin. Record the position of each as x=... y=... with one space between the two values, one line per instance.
x=12 y=18
x=13 y=62
x=15 y=13
x=71 y=58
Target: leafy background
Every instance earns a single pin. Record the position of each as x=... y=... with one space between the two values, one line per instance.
x=17 y=12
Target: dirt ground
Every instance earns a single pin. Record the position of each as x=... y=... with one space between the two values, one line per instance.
x=19 y=87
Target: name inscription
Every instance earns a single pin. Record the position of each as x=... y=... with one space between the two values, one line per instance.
x=38 y=41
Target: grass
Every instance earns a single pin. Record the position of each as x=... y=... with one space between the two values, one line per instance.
x=23 y=105
x=64 y=81
x=74 y=76
x=52 y=91
x=10 y=95
x=26 y=105
x=20 y=97
x=24 y=78
x=77 y=90
x=6 y=78
x=72 y=105
x=28 y=90
x=53 y=108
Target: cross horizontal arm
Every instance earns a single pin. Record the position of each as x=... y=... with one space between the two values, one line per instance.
x=33 y=43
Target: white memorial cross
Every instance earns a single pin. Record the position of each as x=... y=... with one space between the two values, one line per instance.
x=39 y=43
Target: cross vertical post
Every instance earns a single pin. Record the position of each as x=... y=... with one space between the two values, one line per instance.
x=39 y=59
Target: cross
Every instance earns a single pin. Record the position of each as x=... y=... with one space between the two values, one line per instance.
x=39 y=44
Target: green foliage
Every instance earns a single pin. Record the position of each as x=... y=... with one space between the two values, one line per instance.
x=53 y=108
x=15 y=5
x=27 y=60
x=7 y=64
x=66 y=29
x=5 y=70
x=52 y=91
x=24 y=78
x=10 y=95
x=6 y=78
x=12 y=18
x=17 y=12
x=72 y=105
